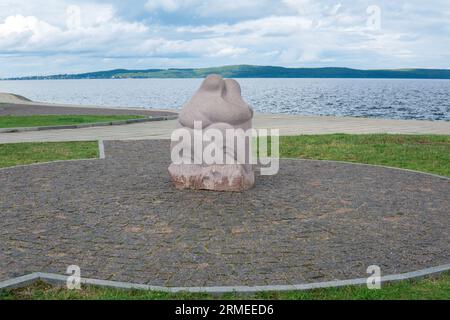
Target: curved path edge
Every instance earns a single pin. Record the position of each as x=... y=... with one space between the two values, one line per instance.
x=62 y=279
x=366 y=164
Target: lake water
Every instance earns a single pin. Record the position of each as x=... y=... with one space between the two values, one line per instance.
x=381 y=98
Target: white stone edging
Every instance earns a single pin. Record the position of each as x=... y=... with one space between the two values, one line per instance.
x=101 y=150
x=62 y=279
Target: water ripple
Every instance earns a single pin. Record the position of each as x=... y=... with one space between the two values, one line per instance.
x=381 y=98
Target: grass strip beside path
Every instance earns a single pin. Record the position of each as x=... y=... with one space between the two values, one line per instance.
x=59 y=120
x=34 y=152
x=426 y=153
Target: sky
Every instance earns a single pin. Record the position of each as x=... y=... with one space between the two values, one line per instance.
x=41 y=37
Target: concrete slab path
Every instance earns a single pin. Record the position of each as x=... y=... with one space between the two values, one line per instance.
x=288 y=125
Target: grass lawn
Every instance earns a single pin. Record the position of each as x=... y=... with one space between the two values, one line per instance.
x=423 y=153
x=34 y=152
x=58 y=120
x=427 y=153
x=426 y=288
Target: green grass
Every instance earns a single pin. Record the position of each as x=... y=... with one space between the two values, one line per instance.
x=34 y=152
x=427 y=153
x=58 y=120
x=427 y=288
x=423 y=153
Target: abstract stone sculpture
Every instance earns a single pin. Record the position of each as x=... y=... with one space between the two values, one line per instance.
x=217 y=105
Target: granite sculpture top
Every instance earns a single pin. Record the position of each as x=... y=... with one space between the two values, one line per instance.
x=217 y=100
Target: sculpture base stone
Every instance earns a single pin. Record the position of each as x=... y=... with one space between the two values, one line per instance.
x=228 y=177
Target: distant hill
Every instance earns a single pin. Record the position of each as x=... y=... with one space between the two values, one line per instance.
x=248 y=71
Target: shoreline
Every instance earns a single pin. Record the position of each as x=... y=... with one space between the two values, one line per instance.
x=287 y=124
x=13 y=99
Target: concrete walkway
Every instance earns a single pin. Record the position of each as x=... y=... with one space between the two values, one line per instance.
x=288 y=125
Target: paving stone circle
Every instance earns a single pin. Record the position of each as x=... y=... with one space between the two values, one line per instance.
x=121 y=219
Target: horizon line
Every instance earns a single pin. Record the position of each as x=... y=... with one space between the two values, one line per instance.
x=220 y=66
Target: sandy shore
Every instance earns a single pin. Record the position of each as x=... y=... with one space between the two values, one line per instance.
x=11 y=104
x=287 y=124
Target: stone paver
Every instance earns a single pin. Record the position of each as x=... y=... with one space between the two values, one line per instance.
x=121 y=219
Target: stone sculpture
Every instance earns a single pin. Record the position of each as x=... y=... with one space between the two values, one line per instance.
x=219 y=108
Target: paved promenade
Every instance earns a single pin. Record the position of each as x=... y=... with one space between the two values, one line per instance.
x=288 y=125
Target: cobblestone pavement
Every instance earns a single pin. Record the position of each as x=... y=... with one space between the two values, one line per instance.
x=121 y=219
x=9 y=109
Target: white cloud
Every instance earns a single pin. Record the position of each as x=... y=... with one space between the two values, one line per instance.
x=215 y=47
x=229 y=52
x=166 y=5
x=86 y=32
x=34 y=30
x=273 y=25
x=213 y=8
x=240 y=8
x=303 y=7
x=160 y=33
